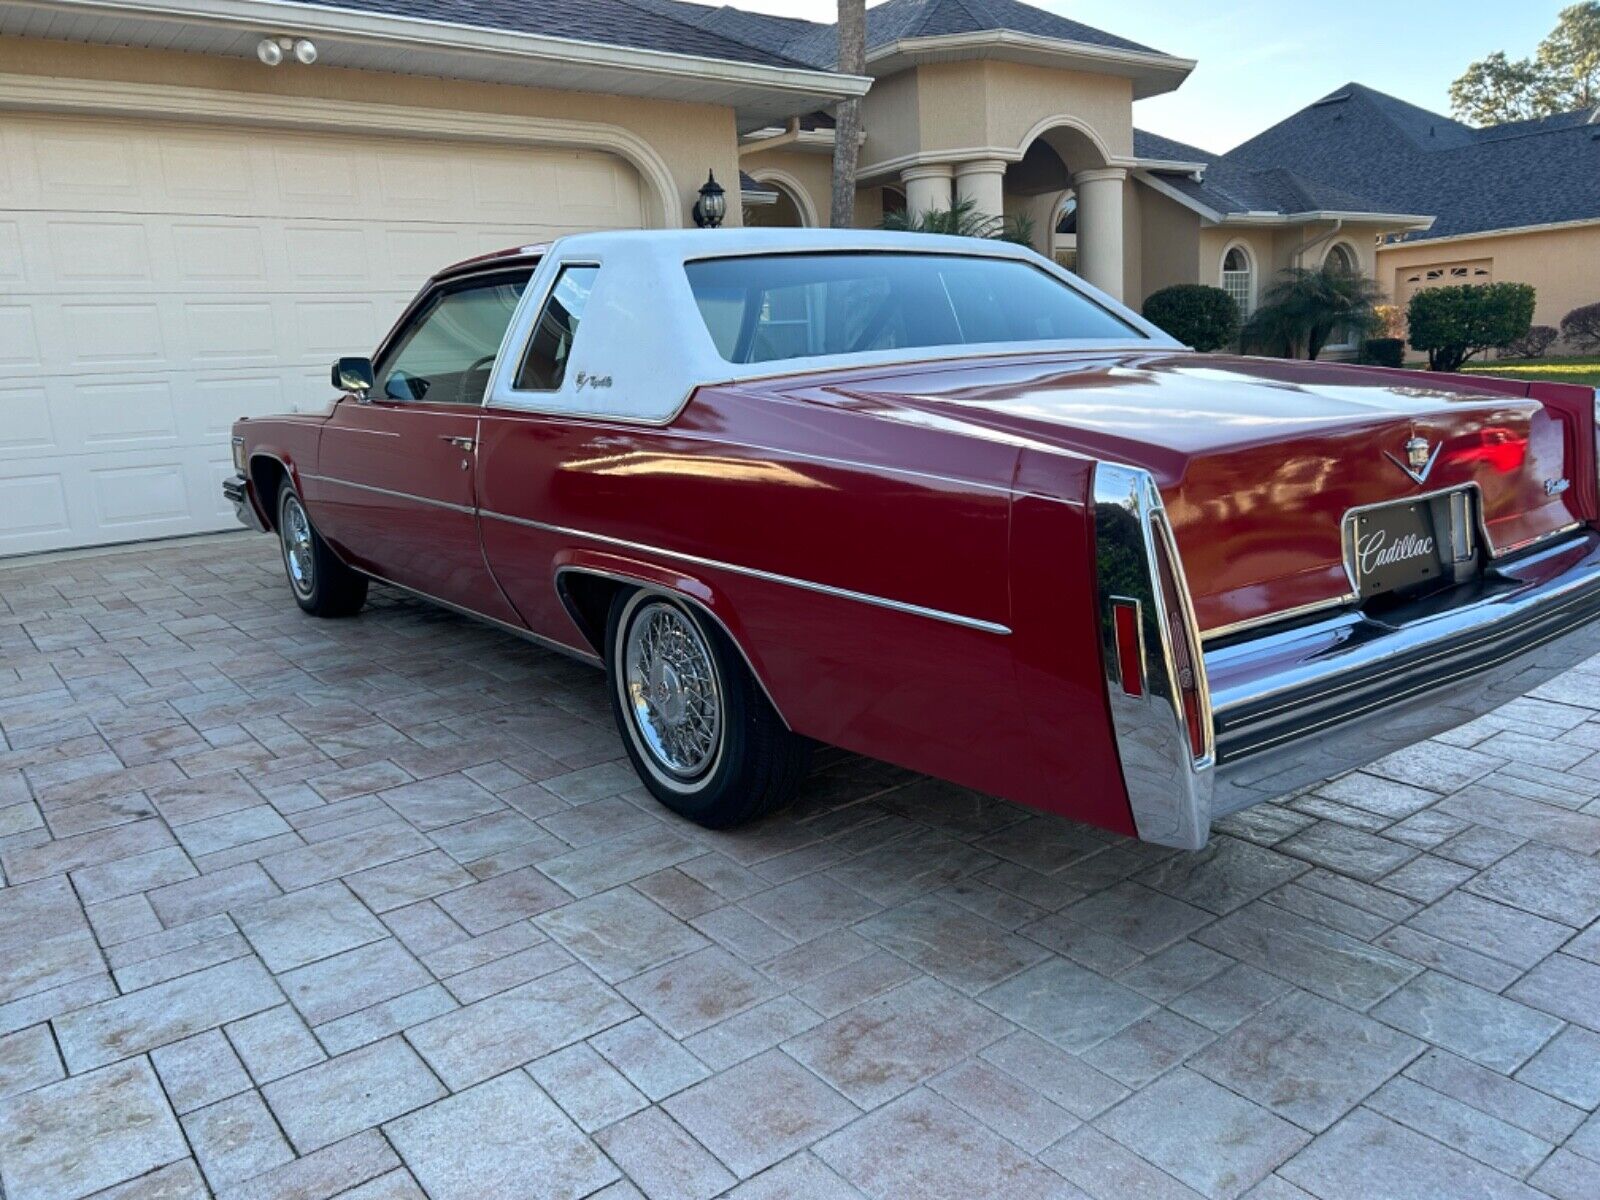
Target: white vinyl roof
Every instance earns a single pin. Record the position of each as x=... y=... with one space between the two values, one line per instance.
x=643 y=331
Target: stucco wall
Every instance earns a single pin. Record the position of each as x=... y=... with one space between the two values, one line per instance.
x=811 y=174
x=1169 y=244
x=1562 y=264
x=972 y=106
x=688 y=138
x=1019 y=97
x=891 y=117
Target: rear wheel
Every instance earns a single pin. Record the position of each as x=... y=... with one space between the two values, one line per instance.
x=322 y=585
x=700 y=732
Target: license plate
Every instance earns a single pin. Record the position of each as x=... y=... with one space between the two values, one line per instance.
x=1398 y=546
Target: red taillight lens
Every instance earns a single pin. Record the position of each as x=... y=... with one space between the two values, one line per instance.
x=1130 y=651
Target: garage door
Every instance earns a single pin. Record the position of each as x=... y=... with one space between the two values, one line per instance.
x=159 y=280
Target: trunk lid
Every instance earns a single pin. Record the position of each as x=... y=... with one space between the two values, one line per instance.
x=1259 y=460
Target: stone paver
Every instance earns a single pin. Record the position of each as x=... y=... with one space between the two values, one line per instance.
x=1307 y=1059
x=86 y=1133
x=376 y=909
x=500 y=1138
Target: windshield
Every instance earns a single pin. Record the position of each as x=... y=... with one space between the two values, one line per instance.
x=769 y=307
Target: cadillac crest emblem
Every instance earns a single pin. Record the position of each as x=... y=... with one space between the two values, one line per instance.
x=1419 y=459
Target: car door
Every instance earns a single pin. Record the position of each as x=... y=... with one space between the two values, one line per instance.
x=396 y=467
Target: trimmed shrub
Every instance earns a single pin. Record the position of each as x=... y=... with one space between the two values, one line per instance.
x=1196 y=314
x=1538 y=339
x=1384 y=352
x=1452 y=324
x=1581 y=327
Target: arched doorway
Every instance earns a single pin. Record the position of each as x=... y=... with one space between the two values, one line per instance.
x=1067 y=161
x=791 y=210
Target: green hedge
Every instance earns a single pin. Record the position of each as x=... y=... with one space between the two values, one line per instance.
x=1454 y=323
x=1197 y=315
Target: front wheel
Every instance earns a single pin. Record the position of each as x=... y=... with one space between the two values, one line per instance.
x=698 y=728
x=322 y=585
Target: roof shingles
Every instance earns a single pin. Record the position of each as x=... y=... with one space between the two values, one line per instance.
x=1402 y=158
x=733 y=33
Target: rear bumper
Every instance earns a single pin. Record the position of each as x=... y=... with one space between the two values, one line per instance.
x=1286 y=708
x=237 y=491
x=1295 y=707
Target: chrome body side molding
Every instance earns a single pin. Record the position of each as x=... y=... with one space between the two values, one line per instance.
x=823 y=589
x=429 y=501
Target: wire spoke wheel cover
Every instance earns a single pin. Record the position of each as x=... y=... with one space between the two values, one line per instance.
x=671 y=692
x=298 y=557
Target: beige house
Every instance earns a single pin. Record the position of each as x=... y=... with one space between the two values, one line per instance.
x=1518 y=202
x=202 y=202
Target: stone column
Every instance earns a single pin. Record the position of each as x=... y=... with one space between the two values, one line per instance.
x=1100 y=227
x=927 y=187
x=983 y=182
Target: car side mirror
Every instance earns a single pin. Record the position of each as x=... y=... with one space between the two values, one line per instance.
x=351 y=374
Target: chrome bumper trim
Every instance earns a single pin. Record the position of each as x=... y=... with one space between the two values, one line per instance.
x=1287 y=708
x=237 y=491
x=1302 y=705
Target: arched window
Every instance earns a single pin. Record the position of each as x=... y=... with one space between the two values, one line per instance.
x=1342 y=257
x=1239 y=278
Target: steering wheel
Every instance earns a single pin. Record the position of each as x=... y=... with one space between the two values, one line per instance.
x=487 y=361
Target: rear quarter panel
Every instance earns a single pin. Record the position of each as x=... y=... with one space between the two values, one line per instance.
x=747 y=496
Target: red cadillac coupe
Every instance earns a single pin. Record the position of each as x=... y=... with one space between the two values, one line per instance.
x=937 y=501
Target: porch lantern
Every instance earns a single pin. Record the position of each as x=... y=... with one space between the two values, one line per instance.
x=712 y=205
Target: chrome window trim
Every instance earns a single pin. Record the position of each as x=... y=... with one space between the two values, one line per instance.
x=1168 y=785
x=825 y=589
x=547 y=289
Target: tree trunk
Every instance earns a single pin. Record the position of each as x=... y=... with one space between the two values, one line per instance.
x=847 y=114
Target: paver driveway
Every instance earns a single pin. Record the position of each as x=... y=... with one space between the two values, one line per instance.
x=374 y=907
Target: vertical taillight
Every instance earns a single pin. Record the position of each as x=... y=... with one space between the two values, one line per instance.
x=1130 y=645
x=1184 y=667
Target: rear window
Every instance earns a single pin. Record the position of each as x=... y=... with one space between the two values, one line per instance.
x=769 y=307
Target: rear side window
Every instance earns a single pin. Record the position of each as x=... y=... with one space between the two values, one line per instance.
x=544 y=365
x=770 y=307
x=446 y=351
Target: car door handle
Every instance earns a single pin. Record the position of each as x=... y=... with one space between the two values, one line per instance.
x=463 y=443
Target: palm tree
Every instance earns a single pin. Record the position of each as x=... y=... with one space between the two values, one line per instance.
x=1301 y=311
x=847 y=114
x=963 y=220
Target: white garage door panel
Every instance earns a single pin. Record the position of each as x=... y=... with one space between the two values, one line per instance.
x=159 y=281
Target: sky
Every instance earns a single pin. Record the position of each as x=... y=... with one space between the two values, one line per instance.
x=1260 y=60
